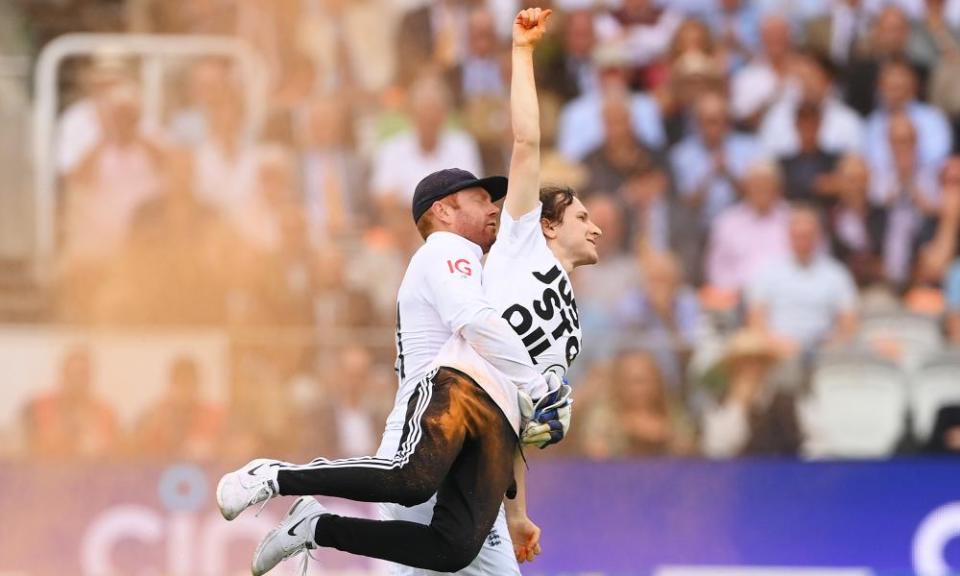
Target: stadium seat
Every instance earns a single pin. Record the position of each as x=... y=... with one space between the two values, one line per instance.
x=857 y=407
x=904 y=337
x=936 y=383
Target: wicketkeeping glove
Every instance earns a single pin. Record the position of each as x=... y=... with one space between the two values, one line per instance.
x=546 y=421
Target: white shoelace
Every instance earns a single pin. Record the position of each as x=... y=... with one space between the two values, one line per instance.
x=305 y=558
x=265 y=491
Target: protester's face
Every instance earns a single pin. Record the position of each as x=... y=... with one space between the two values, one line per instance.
x=577 y=235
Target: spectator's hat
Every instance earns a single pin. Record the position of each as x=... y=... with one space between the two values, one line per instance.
x=443 y=183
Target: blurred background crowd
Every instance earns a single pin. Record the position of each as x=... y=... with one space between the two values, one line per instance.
x=778 y=183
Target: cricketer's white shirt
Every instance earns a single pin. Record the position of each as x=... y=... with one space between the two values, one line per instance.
x=441 y=296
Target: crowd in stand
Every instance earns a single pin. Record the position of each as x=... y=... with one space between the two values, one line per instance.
x=766 y=175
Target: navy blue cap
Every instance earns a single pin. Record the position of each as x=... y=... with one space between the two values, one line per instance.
x=443 y=183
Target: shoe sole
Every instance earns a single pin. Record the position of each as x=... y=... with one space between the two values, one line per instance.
x=268 y=538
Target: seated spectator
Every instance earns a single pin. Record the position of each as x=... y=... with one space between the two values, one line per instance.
x=484 y=86
x=207 y=80
x=663 y=314
x=70 y=421
x=898 y=94
x=807 y=173
x=857 y=228
x=225 y=165
x=621 y=154
x=945 y=438
x=653 y=216
x=841 y=129
x=599 y=288
x=767 y=77
x=806 y=298
x=837 y=34
x=403 y=160
x=889 y=38
x=708 y=165
x=357 y=394
x=642 y=27
x=115 y=177
x=933 y=37
x=180 y=425
x=175 y=265
x=639 y=416
x=692 y=70
x=569 y=71
x=81 y=126
x=736 y=23
x=580 y=128
x=753 y=417
x=911 y=198
x=952 y=296
x=751 y=235
x=432 y=35
x=331 y=174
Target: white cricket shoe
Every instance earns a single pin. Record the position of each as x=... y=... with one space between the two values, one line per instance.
x=294 y=535
x=254 y=483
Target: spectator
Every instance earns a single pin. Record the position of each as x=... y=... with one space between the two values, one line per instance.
x=71 y=422
x=910 y=196
x=736 y=24
x=581 y=121
x=932 y=36
x=689 y=74
x=807 y=173
x=483 y=85
x=751 y=235
x=332 y=175
x=115 y=177
x=753 y=418
x=640 y=417
x=889 y=38
x=841 y=129
x=838 y=34
x=434 y=35
x=641 y=27
x=599 y=288
x=404 y=159
x=653 y=216
x=181 y=425
x=807 y=298
x=569 y=71
x=898 y=94
x=621 y=154
x=709 y=164
x=225 y=166
x=357 y=394
x=664 y=314
x=208 y=80
x=767 y=77
x=856 y=227
x=174 y=267
x=945 y=438
x=81 y=126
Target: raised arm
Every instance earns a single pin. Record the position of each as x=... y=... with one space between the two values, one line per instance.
x=523 y=192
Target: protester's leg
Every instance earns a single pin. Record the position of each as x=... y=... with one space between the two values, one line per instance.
x=468 y=500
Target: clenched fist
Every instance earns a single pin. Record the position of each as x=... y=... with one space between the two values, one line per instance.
x=529 y=26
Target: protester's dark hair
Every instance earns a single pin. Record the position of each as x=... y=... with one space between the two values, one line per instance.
x=555 y=200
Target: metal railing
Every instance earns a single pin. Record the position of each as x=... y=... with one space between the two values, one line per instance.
x=156 y=52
